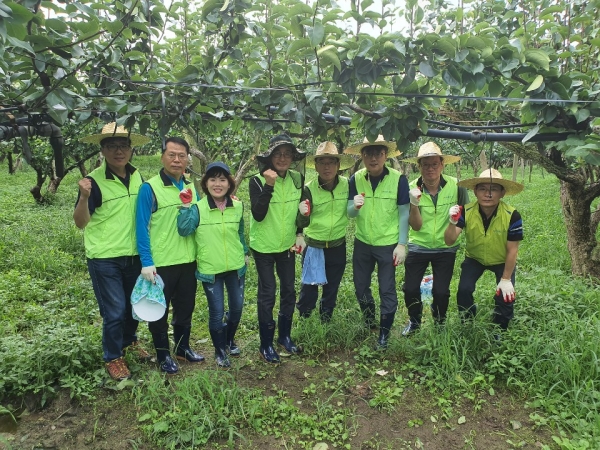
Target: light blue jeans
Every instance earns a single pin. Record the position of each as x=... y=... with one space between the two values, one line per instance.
x=215 y=294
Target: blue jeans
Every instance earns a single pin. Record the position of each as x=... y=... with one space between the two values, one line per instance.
x=215 y=294
x=113 y=280
x=471 y=271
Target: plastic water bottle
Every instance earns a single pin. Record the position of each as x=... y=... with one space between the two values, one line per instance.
x=426 y=285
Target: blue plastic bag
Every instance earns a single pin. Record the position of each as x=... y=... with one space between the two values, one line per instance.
x=426 y=286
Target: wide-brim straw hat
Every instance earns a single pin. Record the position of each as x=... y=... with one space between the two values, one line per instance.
x=113 y=130
x=391 y=146
x=328 y=149
x=432 y=149
x=278 y=141
x=492 y=176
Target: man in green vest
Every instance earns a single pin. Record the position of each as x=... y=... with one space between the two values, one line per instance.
x=105 y=209
x=274 y=197
x=431 y=196
x=164 y=252
x=322 y=215
x=378 y=198
x=493 y=231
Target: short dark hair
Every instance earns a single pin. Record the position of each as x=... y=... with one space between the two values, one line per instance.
x=217 y=172
x=177 y=140
x=111 y=139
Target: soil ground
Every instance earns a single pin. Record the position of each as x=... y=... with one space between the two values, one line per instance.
x=418 y=421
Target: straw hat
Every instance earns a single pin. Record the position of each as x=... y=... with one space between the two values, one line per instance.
x=391 y=146
x=329 y=150
x=432 y=149
x=113 y=130
x=495 y=177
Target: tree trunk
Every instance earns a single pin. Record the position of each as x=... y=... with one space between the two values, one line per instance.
x=581 y=231
x=483 y=161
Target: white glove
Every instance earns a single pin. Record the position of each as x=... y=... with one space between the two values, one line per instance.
x=299 y=246
x=359 y=201
x=304 y=207
x=148 y=273
x=399 y=254
x=508 y=290
x=415 y=196
x=454 y=214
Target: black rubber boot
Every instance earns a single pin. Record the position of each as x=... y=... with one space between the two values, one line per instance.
x=183 y=352
x=284 y=339
x=385 y=325
x=415 y=313
x=163 y=356
x=266 y=350
x=367 y=306
x=218 y=339
x=325 y=314
x=230 y=344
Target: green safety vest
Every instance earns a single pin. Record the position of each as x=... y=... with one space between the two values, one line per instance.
x=277 y=231
x=435 y=217
x=489 y=248
x=328 y=217
x=111 y=230
x=217 y=236
x=167 y=246
x=377 y=221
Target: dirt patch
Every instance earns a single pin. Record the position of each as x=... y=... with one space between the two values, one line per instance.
x=418 y=420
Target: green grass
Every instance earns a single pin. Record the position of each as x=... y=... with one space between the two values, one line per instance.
x=50 y=336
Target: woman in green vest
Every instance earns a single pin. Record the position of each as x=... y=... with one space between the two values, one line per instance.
x=274 y=197
x=221 y=255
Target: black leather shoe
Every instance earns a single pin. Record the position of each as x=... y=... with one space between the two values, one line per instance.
x=168 y=365
x=189 y=355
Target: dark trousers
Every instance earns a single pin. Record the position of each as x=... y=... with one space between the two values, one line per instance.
x=471 y=271
x=180 y=292
x=335 y=264
x=113 y=280
x=442 y=265
x=267 y=264
x=364 y=259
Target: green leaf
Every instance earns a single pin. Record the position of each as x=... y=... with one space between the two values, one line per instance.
x=538 y=58
x=426 y=69
x=535 y=130
x=495 y=88
x=449 y=78
x=113 y=26
x=447 y=46
x=298 y=45
x=57 y=25
x=20 y=44
x=475 y=42
x=537 y=82
x=582 y=114
x=316 y=34
x=328 y=56
x=187 y=74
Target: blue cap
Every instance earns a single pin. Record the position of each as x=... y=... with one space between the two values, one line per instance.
x=218 y=165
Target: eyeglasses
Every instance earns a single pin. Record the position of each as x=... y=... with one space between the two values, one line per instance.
x=431 y=166
x=490 y=189
x=282 y=155
x=376 y=154
x=326 y=163
x=179 y=156
x=113 y=148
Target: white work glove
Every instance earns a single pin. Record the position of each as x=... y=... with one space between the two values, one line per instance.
x=415 y=196
x=359 y=200
x=299 y=246
x=508 y=290
x=304 y=207
x=454 y=214
x=399 y=254
x=148 y=274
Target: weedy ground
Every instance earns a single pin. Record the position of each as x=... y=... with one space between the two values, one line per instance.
x=454 y=387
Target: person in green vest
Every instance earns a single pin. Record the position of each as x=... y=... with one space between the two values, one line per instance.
x=322 y=215
x=274 y=197
x=164 y=252
x=493 y=230
x=378 y=199
x=105 y=209
x=431 y=196
x=218 y=220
